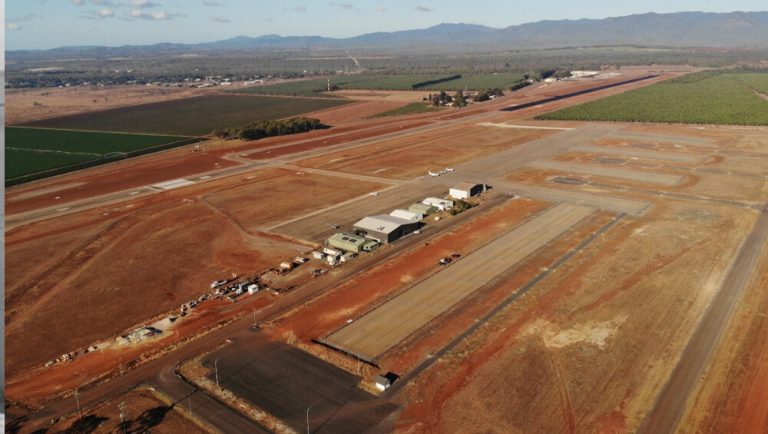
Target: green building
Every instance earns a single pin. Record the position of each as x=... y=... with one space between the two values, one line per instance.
x=352 y=243
x=420 y=208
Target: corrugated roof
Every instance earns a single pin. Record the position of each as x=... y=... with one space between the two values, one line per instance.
x=381 y=223
x=437 y=200
x=404 y=214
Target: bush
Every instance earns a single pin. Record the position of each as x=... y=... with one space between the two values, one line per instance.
x=460 y=206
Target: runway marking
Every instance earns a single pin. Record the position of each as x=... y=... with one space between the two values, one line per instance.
x=170 y=185
x=523 y=127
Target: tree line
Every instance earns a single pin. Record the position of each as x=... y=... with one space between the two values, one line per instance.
x=268 y=128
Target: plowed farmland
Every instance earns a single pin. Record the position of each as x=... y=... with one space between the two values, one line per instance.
x=190 y=116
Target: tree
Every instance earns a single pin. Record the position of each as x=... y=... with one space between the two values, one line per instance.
x=460 y=101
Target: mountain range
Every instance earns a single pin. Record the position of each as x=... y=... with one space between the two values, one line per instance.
x=683 y=29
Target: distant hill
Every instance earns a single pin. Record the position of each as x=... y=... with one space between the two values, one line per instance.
x=684 y=29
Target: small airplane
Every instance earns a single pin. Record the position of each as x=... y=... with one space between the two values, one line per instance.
x=433 y=173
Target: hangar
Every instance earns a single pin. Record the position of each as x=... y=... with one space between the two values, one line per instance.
x=465 y=190
x=385 y=228
x=407 y=215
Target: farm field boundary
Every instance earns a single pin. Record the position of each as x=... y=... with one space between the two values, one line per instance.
x=709 y=97
x=36 y=153
x=196 y=116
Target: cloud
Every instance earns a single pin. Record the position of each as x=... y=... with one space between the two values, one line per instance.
x=23 y=18
x=13 y=26
x=301 y=8
x=154 y=15
x=343 y=5
x=105 y=13
x=105 y=3
x=212 y=4
x=78 y=2
x=423 y=9
x=381 y=8
x=219 y=19
x=143 y=4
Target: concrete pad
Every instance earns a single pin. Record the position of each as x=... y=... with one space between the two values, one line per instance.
x=609 y=172
x=648 y=154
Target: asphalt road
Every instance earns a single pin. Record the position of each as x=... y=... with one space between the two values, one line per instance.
x=671 y=402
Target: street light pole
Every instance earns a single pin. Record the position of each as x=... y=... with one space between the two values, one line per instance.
x=308 y=408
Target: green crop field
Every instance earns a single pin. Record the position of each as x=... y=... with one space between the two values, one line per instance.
x=410 y=109
x=711 y=97
x=33 y=150
x=190 y=116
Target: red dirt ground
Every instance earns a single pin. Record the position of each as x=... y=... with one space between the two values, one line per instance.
x=557 y=368
x=144 y=412
x=412 y=155
x=358 y=295
x=322 y=143
x=733 y=393
x=139 y=266
x=275 y=195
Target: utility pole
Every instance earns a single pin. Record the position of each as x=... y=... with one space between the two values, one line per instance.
x=77 y=399
x=216 y=368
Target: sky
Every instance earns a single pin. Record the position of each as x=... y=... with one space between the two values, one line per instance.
x=42 y=24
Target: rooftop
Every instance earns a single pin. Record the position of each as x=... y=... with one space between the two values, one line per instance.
x=464 y=186
x=381 y=223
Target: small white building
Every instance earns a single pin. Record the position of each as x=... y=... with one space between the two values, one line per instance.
x=318 y=255
x=332 y=252
x=406 y=215
x=348 y=256
x=382 y=383
x=441 y=204
x=253 y=288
